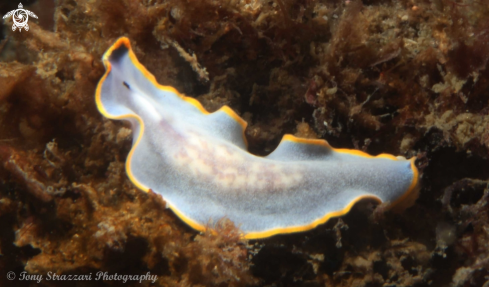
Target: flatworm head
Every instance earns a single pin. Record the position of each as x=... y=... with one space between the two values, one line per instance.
x=198 y=161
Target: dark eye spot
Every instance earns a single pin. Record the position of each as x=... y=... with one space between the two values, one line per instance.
x=127 y=85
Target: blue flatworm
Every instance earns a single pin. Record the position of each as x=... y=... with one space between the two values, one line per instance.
x=198 y=161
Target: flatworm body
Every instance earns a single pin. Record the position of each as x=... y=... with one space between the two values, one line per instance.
x=199 y=163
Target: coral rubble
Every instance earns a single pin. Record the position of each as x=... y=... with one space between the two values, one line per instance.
x=403 y=77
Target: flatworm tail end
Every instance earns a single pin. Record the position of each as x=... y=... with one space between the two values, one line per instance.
x=409 y=197
x=402 y=203
x=405 y=201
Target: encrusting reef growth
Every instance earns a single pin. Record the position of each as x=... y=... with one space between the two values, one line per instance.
x=403 y=77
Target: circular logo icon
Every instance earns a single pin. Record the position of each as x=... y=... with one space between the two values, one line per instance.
x=20 y=17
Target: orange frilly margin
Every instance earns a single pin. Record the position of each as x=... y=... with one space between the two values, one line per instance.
x=409 y=195
x=123 y=41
